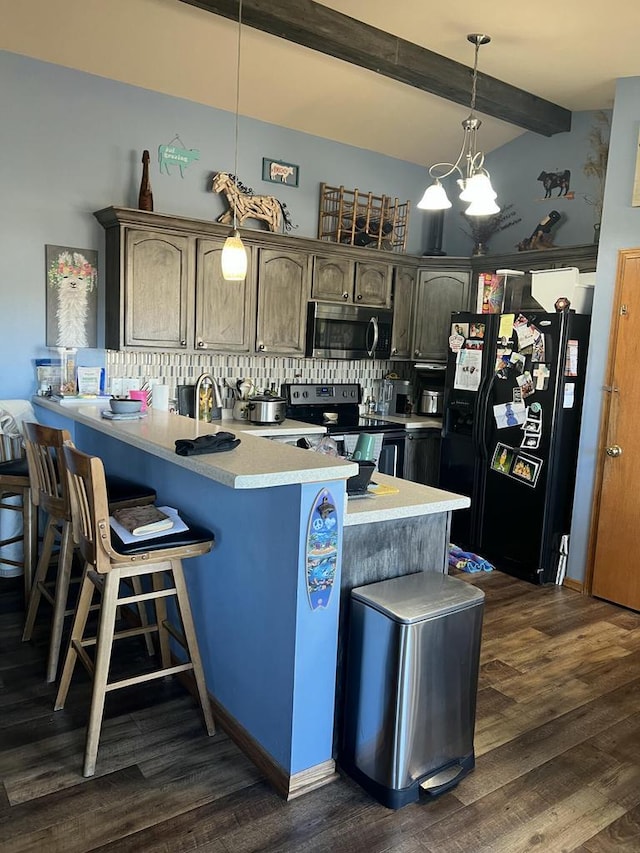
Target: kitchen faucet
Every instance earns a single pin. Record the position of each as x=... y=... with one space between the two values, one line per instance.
x=203 y=404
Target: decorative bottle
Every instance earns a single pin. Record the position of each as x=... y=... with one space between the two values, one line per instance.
x=145 y=198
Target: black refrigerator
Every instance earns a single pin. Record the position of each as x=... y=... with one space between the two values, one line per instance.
x=512 y=407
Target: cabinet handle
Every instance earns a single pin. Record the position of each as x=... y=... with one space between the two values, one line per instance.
x=359 y=296
x=345 y=295
x=183 y=343
x=201 y=344
x=261 y=347
x=394 y=351
x=417 y=352
x=409 y=438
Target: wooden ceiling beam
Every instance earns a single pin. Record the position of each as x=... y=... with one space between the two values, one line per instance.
x=317 y=27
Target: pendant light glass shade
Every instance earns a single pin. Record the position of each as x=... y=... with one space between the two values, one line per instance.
x=434 y=198
x=234 y=258
x=474 y=179
x=482 y=207
x=478 y=187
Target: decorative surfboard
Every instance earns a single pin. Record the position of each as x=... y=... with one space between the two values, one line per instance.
x=322 y=549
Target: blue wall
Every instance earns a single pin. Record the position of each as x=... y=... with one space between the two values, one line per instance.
x=620 y=230
x=514 y=170
x=72 y=144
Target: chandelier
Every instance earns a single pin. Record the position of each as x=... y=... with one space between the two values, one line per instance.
x=474 y=180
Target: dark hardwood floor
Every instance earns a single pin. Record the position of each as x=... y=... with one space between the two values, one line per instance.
x=557 y=743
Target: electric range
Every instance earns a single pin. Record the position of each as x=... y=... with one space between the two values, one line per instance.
x=336 y=407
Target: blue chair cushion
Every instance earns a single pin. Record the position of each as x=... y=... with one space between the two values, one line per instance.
x=15 y=468
x=121 y=489
x=193 y=536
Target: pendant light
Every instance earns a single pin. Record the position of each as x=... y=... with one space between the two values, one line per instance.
x=474 y=181
x=234 y=254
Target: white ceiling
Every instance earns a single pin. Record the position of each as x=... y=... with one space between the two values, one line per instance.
x=569 y=52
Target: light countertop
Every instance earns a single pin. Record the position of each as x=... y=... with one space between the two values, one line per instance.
x=257 y=464
x=414 y=421
x=288 y=429
x=254 y=464
x=411 y=499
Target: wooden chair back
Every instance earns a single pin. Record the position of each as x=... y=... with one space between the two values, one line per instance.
x=92 y=531
x=47 y=468
x=89 y=506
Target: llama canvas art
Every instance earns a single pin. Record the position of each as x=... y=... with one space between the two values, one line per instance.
x=71 y=297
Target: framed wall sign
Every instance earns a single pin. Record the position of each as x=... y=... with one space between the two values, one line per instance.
x=279 y=172
x=72 y=300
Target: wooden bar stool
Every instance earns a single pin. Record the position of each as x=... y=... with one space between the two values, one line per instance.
x=108 y=561
x=49 y=486
x=15 y=483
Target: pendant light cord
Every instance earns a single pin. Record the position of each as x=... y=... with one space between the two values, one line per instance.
x=235 y=146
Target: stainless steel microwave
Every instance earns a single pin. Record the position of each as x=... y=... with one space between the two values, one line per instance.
x=335 y=330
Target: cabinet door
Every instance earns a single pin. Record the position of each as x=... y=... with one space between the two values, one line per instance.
x=332 y=279
x=283 y=293
x=422 y=456
x=438 y=294
x=225 y=310
x=159 y=290
x=403 y=285
x=373 y=284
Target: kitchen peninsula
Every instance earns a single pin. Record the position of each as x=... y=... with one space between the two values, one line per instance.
x=270 y=656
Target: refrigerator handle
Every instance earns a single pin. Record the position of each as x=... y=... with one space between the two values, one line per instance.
x=479 y=414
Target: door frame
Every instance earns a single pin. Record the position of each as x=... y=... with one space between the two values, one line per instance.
x=624 y=255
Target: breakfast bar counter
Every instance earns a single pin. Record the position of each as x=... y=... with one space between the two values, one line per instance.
x=267 y=600
x=255 y=464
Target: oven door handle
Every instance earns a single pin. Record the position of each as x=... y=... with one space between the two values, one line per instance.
x=374 y=323
x=395 y=459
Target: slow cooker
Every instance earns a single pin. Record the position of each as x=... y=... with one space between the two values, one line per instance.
x=266 y=409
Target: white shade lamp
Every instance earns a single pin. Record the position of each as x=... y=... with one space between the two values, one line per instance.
x=474 y=180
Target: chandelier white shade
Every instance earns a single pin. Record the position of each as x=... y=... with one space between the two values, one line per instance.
x=434 y=198
x=474 y=180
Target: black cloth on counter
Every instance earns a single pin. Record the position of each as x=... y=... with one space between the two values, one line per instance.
x=217 y=443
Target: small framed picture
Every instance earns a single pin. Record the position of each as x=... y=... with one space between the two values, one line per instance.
x=279 y=172
x=526 y=468
x=525 y=381
x=502 y=458
x=531 y=441
x=460 y=329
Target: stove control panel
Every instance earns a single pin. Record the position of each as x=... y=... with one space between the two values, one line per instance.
x=300 y=394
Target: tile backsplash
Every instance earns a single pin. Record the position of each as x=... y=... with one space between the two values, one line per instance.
x=176 y=368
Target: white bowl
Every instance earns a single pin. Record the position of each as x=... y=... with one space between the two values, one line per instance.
x=125 y=406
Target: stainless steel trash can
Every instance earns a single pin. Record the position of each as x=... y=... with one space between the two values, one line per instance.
x=412 y=678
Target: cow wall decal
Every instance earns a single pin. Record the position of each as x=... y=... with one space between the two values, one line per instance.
x=555 y=180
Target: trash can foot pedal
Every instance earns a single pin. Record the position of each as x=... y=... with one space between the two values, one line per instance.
x=444 y=777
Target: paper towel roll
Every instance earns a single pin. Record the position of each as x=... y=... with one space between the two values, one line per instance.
x=160 y=397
